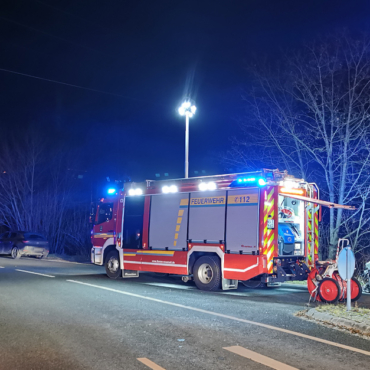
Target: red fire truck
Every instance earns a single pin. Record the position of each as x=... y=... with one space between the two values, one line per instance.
x=217 y=230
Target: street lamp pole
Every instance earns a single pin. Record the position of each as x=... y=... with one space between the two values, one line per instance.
x=188 y=111
x=186 y=146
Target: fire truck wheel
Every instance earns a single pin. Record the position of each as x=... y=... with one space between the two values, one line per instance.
x=356 y=290
x=112 y=265
x=207 y=273
x=329 y=290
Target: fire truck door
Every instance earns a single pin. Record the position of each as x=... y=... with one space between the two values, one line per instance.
x=207 y=216
x=242 y=221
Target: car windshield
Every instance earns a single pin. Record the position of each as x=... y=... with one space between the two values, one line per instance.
x=33 y=236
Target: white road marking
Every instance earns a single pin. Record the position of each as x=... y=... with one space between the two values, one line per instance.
x=174 y=286
x=270 y=327
x=150 y=364
x=35 y=273
x=256 y=357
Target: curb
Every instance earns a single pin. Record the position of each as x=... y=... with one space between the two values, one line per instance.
x=339 y=322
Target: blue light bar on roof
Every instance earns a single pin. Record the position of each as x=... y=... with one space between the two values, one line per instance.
x=243 y=181
x=247 y=179
x=111 y=191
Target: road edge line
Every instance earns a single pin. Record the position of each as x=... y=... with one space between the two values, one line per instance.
x=339 y=345
x=35 y=273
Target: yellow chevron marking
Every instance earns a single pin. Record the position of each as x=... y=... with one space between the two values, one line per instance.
x=270 y=253
x=269 y=267
x=272 y=238
x=174 y=243
x=271 y=205
x=181 y=212
x=176 y=236
x=177 y=227
x=270 y=194
x=179 y=219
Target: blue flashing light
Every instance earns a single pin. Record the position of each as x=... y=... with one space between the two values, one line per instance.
x=111 y=191
x=251 y=180
x=247 y=179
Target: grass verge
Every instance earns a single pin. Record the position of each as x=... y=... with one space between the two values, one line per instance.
x=357 y=314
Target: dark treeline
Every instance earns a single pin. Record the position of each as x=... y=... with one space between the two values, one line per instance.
x=44 y=188
x=309 y=113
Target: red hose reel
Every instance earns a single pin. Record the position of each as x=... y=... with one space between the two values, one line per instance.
x=331 y=288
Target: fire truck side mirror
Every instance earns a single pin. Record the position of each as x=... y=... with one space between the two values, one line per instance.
x=92 y=213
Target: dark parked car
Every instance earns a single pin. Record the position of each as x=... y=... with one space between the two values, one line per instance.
x=23 y=243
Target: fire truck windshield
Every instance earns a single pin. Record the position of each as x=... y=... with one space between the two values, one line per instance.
x=105 y=212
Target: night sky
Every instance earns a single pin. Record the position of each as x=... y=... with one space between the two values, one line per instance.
x=143 y=58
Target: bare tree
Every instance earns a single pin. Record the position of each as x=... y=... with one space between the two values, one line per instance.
x=311 y=115
x=38 y=193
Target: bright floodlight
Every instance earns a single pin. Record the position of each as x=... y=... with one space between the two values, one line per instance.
x=203 y=186
x=212 y=186
x=173 y=189
x=169 y=189
x=207 y=186
x=187 y=109
x=137 y=191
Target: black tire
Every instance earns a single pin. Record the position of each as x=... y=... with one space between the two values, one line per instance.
x=207 y=273
x=112 y=267
x=333 y=293
x=254 y=284
x=354 y=280
x=15 y=254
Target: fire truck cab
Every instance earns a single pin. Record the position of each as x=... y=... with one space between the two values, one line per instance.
x=217 y=230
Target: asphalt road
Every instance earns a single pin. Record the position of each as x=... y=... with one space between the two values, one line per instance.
x=56 y=315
